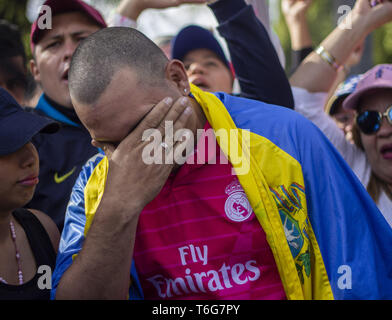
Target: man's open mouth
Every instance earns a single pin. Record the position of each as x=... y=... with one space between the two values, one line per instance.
x=65 y=76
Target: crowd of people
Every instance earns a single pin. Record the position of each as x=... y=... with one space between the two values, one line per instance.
x=283 y=191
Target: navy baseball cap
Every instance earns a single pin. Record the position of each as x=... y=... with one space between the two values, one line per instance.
x=18 y=127
x=342 y=92
x=195 y=37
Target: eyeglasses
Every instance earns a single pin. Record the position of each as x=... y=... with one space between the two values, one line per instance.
x=369 y=122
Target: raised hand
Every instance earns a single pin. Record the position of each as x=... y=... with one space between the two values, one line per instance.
x=295 y=10
x=375 y=13
x=133 y=182
x=133 y=8
x=295 y=14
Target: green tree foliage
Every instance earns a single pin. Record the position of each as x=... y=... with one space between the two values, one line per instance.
x=320 y=19
x=15 y=12
x=382 y=42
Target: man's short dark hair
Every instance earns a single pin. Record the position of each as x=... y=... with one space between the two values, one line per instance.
x=100 y=55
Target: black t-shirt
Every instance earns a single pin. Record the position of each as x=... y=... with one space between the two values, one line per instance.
x=44 y=254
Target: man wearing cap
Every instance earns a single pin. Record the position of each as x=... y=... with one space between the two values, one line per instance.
x=63 y=154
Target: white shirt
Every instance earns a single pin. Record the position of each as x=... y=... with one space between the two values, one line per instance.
x=311 y=106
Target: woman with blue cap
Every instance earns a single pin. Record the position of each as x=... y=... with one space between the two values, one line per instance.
x=28 y=238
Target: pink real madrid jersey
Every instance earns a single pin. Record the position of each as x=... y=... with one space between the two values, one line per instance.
x=199 y=238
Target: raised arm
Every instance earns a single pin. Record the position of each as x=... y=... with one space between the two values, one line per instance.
x=255 y=61
x=315 y=74
x=294 y=12
x=101 y=269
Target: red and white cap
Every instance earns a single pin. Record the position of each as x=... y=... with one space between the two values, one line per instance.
x=62 y=6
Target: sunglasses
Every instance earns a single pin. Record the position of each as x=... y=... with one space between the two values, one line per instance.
x=369 y=122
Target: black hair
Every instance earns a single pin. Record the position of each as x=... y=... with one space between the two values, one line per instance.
x=104 y=52
x=11 y=44
x=11 y=47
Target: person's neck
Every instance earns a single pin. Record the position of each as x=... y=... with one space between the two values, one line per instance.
x=55 y=104
x=196 y=125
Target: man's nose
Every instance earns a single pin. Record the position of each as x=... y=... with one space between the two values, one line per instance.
x=69 y=49
x=196 y=68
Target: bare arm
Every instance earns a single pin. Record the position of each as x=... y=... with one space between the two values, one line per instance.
x=342 y=74
x=133 y=8
x=294 y=12
x=316 y=75
x=50 y=227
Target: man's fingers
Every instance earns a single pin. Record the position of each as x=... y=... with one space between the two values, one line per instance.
x=155 y=116
x=179 y=133
x=174 y=114
x=167 y=121
x=154 y=135
x=163 y=144
x=150 y=121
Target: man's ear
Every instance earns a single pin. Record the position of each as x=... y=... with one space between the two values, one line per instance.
x=176 y=73
x=34 y=70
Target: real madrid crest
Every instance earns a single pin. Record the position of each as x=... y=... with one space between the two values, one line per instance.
x=237 y=206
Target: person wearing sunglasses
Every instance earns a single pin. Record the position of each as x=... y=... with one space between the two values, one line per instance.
x=369 y=157
x=372 y=132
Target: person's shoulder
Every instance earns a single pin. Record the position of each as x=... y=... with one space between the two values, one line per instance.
x=49 y=226
x=94 y=161
x=88 y=168
x=284 y=127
